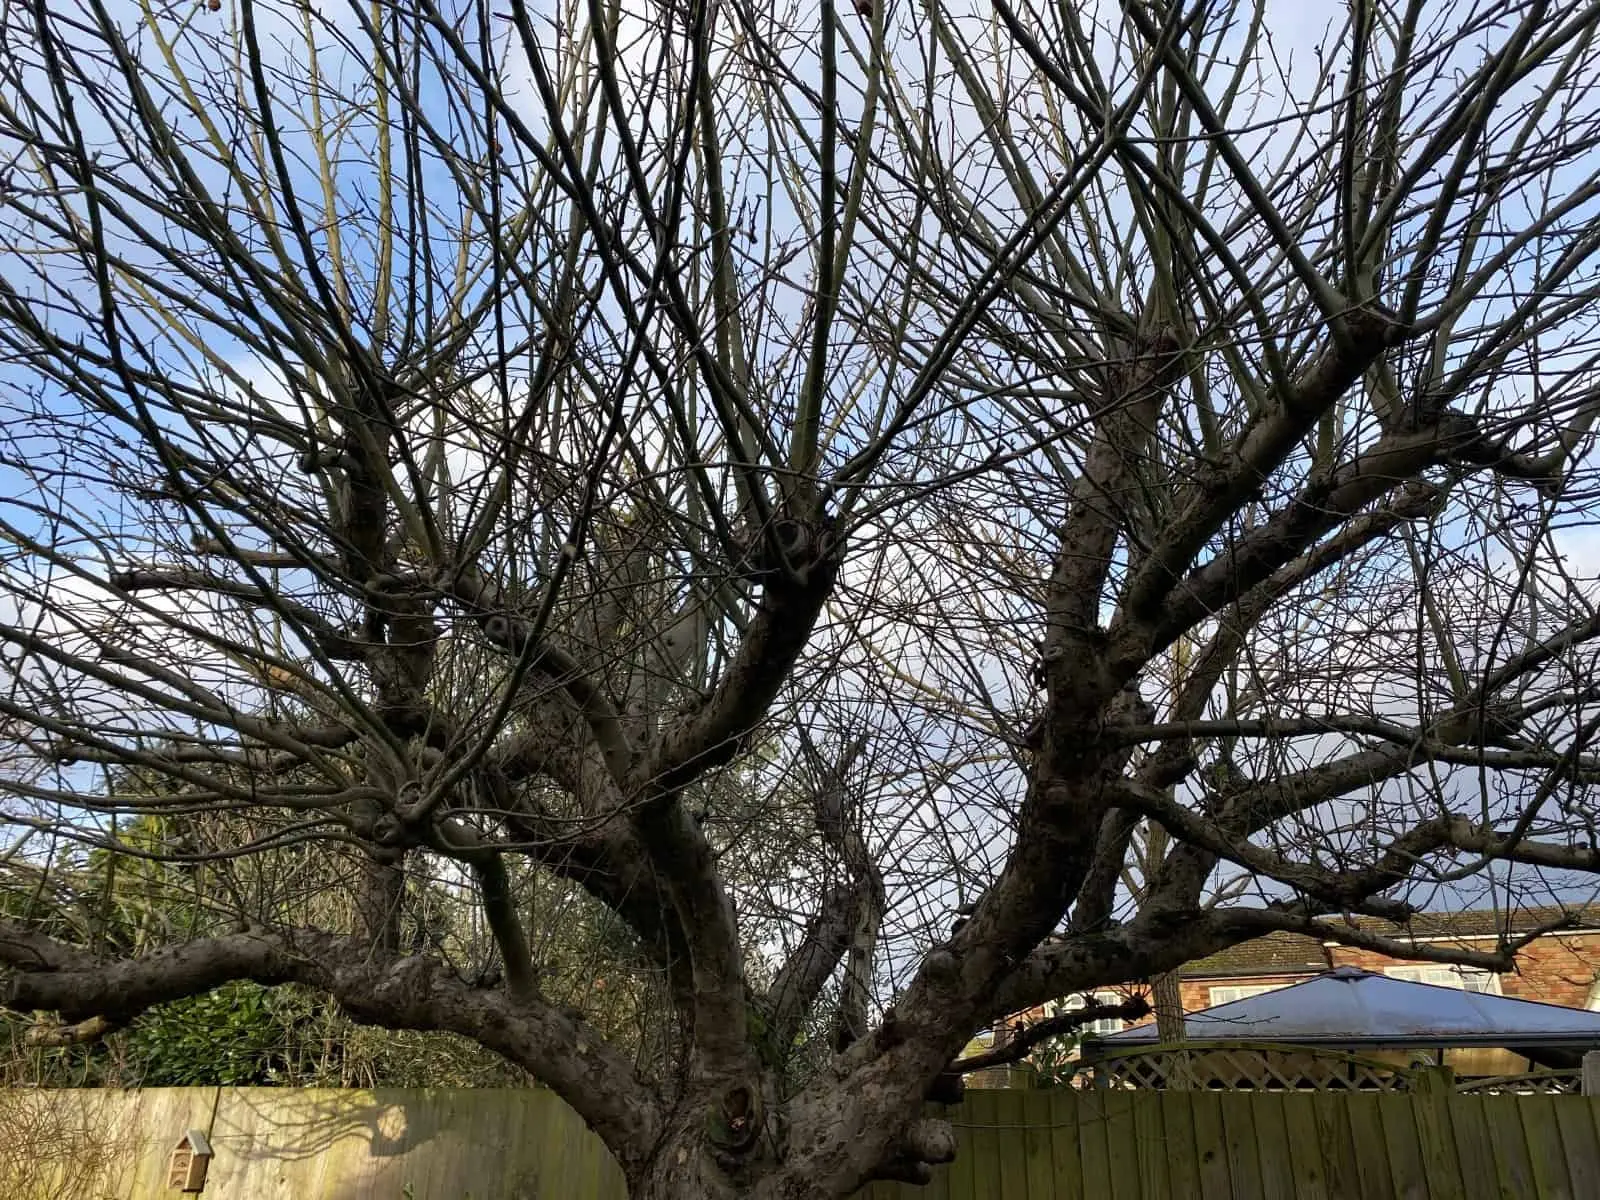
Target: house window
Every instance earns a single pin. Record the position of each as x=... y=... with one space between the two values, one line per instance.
x=1228 y=993
x=1466 y=979
x=1072 y=1003
x=1594 y=996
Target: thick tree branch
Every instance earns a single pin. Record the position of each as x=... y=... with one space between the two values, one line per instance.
x=400 y=993
x=334 y=642
x=1355 y=343
x=1465 y=834
x=791 y=601
x=1022 y=1043
x=1341 y=889
x=1135 y=389
x=808 y=968
x=516 y=637
x=1323 y=504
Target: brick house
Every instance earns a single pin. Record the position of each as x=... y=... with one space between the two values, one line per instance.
x=1559 y=968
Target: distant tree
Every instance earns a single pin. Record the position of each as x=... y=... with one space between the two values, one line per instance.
x=866 y=518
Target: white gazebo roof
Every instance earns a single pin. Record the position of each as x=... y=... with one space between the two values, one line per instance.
x=1350 y=1007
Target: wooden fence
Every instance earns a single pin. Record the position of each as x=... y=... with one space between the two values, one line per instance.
x=1168 y=1145
x=306 y=1144
x=1041 y=1145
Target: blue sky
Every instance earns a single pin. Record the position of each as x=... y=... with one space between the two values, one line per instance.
x=953 y=790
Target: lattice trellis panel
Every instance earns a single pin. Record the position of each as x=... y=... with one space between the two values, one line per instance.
x=1248 y=1067
x=1530 y=1083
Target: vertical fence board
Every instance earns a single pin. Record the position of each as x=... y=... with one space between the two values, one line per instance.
x=1545 y=1153
x=1152 y=1141
x=1398 y=1116
x=1122 y=1145
x=449 y=1111
x=1012 y=1167
x=1581 y=1148
x=1272 y=1132
x=1513 y=1171
x=1474 y=1151
x=1065 y=1114
x=1336 y=1146
x=1036 y=1146
x=1437 y=1141
x=1211 y=1144
x=1594 y=1113
x=1092 y=1153
x=1371 y=1149
x=1244 y=1159
x=1303 y=1148
x=1177 y=1126
x=984 y=1154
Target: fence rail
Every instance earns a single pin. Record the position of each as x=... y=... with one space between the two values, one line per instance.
x=1432 y=1144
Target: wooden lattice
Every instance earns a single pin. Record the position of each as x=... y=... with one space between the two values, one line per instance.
x=1530 y=1083
x=1248 y=1067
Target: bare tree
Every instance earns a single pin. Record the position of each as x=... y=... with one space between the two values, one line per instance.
x=786 y=476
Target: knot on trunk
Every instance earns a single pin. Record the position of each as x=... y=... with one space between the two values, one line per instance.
x=926 y=1143
x=735 y=1122
x=803 y=550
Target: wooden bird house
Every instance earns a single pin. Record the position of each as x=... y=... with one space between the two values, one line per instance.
x=186 y=1169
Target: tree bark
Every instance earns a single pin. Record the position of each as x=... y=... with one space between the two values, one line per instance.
x=1168 y=1003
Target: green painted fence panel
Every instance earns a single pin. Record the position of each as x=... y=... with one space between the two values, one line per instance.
x=1025 y=1145
x=1244 y=1157
x=1579 y=1148
x=1092 y=1150
x=1440 y=1162
x=1474 y=1151
x=1010 y=1161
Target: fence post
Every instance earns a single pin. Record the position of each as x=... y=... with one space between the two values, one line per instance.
x=1436 y=1080
x=1434 y=1086
x=1591 y=1073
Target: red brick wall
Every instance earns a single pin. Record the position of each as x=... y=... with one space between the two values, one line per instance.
x=1558 y=969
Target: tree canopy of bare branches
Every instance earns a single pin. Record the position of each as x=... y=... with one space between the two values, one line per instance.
x=815 y=527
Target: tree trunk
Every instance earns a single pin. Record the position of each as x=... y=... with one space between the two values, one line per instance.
x=686 y=1172
x=689 y=1166
x=1167 y=1000
x=706 y=1156
x=721 y=1145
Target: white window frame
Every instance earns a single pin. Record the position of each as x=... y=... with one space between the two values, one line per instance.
x=1099 y=1027
x=1227 y=993
x=1463 y=979
x=1593 y=1003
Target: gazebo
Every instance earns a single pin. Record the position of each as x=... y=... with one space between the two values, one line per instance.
x=1274 y=1038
